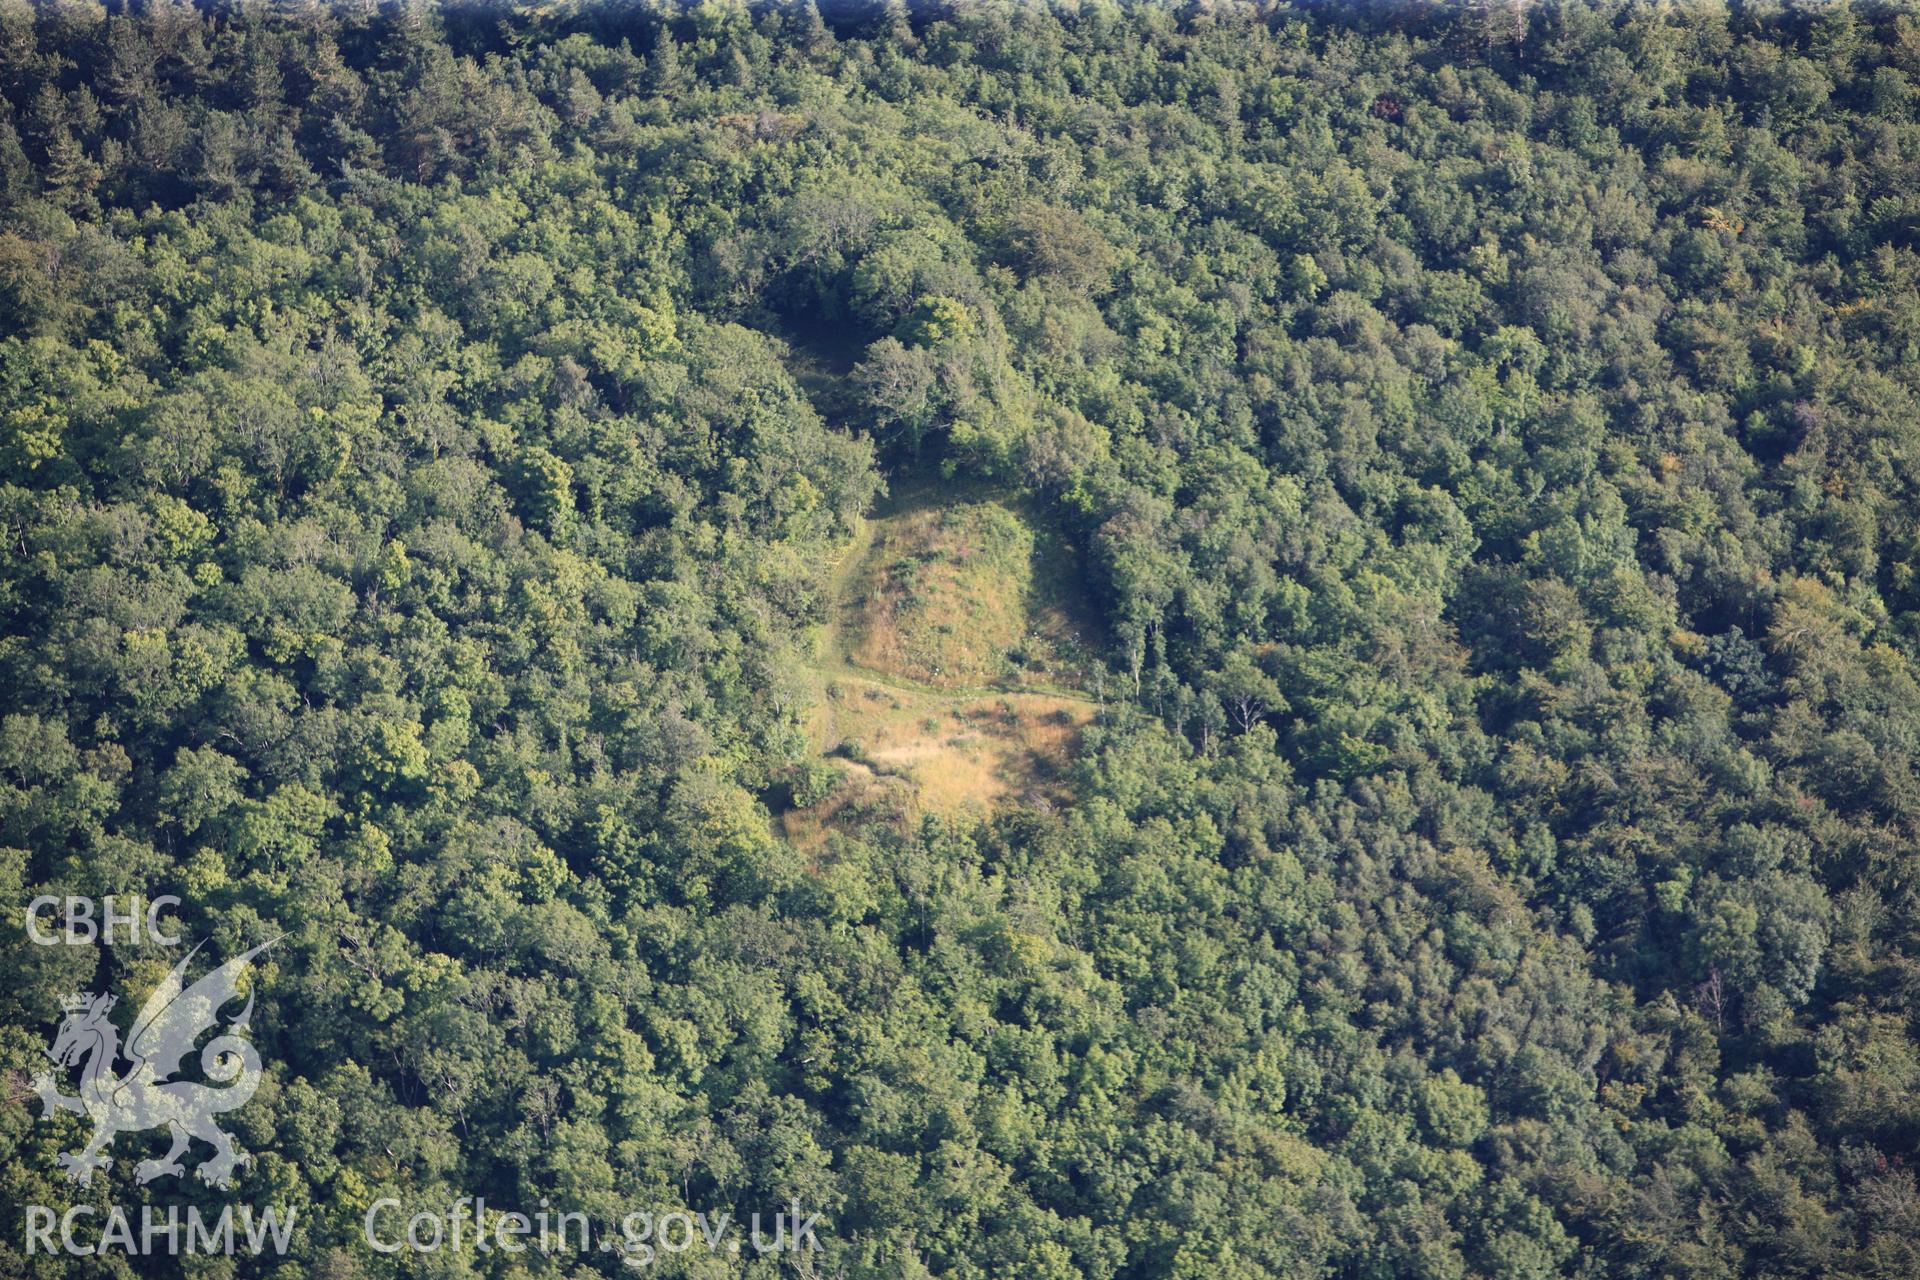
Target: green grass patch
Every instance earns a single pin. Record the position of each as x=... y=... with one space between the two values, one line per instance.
x=959 y=596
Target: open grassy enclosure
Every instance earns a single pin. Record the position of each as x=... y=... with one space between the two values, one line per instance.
x=900 y=751
x=945 y=595
x=963 y=596
x=947 y=671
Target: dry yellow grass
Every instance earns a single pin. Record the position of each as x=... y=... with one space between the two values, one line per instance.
x=930 y=605
x=943 y=598
x=957 y=753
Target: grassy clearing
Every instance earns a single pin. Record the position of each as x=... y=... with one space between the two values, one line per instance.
x=947 y=671
x=945 y=600
x=903 y=752
x=967 y=595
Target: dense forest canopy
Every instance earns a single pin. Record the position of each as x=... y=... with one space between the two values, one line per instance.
x=1488 y=439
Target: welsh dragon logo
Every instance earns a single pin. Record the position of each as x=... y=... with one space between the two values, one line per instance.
x=144 y=1098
